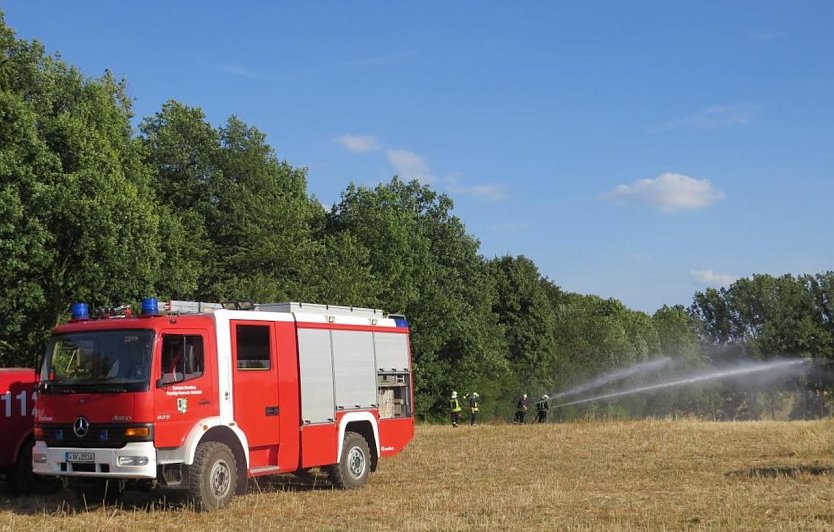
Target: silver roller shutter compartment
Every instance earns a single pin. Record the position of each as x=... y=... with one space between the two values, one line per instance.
x=391 y=351
x=353 y=367
x=316 y=368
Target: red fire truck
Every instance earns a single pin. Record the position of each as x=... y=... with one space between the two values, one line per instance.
x=17 y=404
x=203 y=397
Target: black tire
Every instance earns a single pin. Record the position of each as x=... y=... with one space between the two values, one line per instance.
x=354 y=465
x=212 y=479
x=20 y=479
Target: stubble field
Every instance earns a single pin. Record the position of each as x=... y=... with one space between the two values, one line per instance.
x=641 y=475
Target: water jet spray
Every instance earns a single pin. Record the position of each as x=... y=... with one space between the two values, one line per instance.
x=713 y=375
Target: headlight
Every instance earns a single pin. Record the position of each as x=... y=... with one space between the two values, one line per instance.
x=133 y=460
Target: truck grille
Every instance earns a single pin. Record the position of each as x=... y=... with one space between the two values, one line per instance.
x=99 y=435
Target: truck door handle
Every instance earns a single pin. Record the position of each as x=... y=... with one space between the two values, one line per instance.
x=204 y=402
x=272 y=410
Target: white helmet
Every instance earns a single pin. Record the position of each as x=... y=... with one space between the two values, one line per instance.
x=545 y=397
x=454 y=395
x=475 y=394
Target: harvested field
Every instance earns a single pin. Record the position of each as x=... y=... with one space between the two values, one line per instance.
x=640 y=475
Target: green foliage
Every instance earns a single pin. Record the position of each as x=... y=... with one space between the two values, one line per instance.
x=596 y=334
x=262 y=226
x=677 y=332
x=524 y=309
x=770 y=316
x=78 y=217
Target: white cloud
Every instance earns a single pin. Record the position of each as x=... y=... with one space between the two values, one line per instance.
x=408 y=165
x=358 y=143
x=669 y=192
x=710 y=278
x=717 y=116
x=490 y=191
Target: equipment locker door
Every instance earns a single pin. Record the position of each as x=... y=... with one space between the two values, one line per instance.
x=255 y=377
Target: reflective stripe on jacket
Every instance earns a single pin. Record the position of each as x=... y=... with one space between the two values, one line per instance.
x=454 y=404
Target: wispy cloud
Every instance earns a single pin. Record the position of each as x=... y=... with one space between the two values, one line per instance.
x=409 y=165
x=711 y=278
x=379 y=60
x=717 y=116
x=668 y=192
x=490 y=191
x=358 y=143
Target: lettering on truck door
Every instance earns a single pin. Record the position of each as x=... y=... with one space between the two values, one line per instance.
x=184 y=385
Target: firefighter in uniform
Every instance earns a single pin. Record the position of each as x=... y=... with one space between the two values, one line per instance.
x=474 y=399
x=521 y=409
x=542 y=407
x=454 y=406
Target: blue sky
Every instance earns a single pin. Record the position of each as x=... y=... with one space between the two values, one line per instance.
x=637 y=150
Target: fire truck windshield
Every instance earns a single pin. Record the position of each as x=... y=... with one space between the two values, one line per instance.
x=97 y=362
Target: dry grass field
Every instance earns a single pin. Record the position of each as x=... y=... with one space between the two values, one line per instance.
x=641 y=475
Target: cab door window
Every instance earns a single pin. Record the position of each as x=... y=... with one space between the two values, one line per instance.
x=182 y=358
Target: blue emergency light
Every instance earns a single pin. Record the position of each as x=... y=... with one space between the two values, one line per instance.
x=399 y=320
x=79 y=312
x=150 y=306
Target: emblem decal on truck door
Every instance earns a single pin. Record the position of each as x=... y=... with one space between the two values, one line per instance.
x=182 y=405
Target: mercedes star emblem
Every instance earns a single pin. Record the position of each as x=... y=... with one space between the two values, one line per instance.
x=80 y=426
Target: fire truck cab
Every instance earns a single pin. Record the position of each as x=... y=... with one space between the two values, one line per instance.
x=204 y=397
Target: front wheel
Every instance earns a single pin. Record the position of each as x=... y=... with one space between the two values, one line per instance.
x=354 y=464
x=212 y=478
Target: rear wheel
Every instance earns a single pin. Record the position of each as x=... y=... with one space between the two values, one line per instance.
x=212 y=478
x=354 y=465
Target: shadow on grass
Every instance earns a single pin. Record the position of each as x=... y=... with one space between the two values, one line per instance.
x=309 y=481
x=783 y=471
x=67 y=501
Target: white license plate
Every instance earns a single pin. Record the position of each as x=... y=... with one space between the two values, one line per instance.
x=77 y=457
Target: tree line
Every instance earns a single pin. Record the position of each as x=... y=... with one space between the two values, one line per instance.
x=93 y=209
